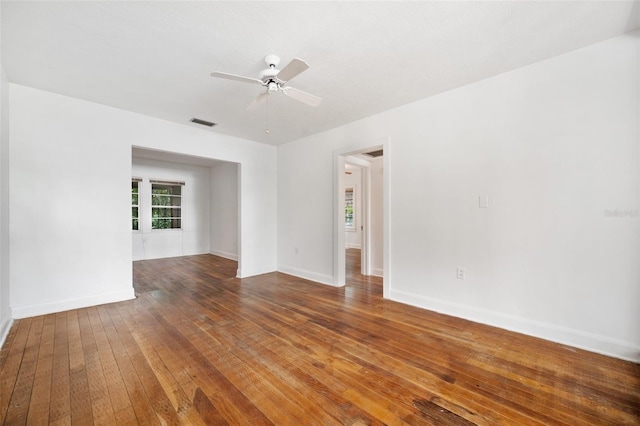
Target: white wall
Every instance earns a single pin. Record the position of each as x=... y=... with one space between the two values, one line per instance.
x=5 y=310
x=193 y=238
x=224 y=210
x=554 y=145
x=353 y=237
x=305 y=209
x=70 y=157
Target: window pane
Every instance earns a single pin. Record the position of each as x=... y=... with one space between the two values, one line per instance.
x=165 y=200
x=161 y=223
x=160 y=212
x=165 y=211
x=166 y=189
x=166 y=223
x=348 y=208
x=134 y=204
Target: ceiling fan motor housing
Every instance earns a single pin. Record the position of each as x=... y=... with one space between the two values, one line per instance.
x=269 y=75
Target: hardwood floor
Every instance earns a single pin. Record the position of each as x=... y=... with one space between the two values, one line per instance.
x=201 y=347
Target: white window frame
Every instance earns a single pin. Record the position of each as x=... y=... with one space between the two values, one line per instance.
x=154 y=182
x=352 y=227
x=138 y=182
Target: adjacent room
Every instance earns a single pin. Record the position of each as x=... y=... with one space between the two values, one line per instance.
x=332 y=212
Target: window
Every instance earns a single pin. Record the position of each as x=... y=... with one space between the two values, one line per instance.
x=135 y=203
x=166 y=205
x=349 y=221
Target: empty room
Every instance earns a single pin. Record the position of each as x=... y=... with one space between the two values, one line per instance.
x=320 y=212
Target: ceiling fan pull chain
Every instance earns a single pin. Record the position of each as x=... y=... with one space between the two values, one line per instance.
x=267 y=108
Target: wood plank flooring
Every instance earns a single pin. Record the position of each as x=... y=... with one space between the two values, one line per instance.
x=200 y=347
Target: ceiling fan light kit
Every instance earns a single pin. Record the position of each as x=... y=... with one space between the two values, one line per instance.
x=272 y=60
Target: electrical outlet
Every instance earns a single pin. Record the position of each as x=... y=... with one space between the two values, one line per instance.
x=460 y=273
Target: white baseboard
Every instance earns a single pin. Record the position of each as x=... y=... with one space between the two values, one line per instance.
x=225 y=254
x=571 y=337
x=4 y=332
x=307 y=275
x=252 y=272
x=352 y=246
x=69 y=304
x=169 y=254
x=377 y=272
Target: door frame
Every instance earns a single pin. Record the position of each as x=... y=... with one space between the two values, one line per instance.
x=363 y=195
x=339 y=267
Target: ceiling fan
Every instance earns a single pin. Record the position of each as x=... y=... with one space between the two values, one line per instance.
x=276 y=80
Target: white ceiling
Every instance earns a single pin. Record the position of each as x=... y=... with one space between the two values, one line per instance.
x=155 y=58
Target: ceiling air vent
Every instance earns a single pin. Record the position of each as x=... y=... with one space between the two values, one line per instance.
x=374 y=154
x=203 y=122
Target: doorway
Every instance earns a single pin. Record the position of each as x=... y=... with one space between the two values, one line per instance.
x=372 y=195
x=204 y=226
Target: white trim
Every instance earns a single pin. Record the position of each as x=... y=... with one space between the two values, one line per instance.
x=354 y=206
x=567 y=336
x=225 y=254
x=69 y=304
x=386 y=220
x=239 y=230
x=339 y=159
x=339 y=237
x=377 y=272
x=166 y=182
x=356 y=161
x=307 y=275
x=352 y=246
x=365 y=214
x=246 y=273
x=5 y=331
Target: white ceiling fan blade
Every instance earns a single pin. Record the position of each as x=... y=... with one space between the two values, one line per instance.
x=259 y=100
x=235 y=77
x=301 y=96
x=293 y=68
